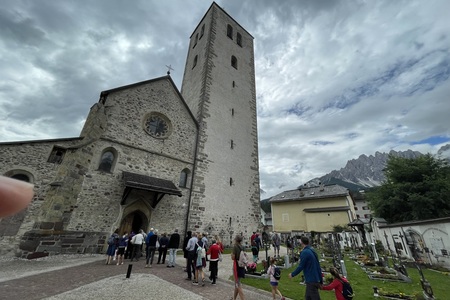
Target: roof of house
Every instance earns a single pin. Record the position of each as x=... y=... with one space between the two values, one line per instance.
x=311 y=193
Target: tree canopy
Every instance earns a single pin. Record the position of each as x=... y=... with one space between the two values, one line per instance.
x=414 y=189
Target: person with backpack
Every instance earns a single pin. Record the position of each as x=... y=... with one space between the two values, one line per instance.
x=113 y=242
x=309 y=264
x=200 y=262
x=340 y=285
x=274 y=276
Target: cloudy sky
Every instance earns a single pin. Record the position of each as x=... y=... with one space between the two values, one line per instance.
x=335 y=79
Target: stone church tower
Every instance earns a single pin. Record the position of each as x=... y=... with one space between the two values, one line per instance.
x=149 y=156
x=219 y=88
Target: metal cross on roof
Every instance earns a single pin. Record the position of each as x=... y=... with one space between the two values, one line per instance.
x=169 y=67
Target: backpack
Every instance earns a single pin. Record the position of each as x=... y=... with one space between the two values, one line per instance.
x=243 y=260
x=277 y=273
x=201 y=251
x=347 y=290
x=111 y=240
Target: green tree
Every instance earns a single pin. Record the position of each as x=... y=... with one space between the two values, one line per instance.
x=415 y=189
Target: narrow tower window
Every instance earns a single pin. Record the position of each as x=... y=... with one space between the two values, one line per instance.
x=232 y=144
x=234 y=63
x=230 y=31
x=195 y=61
x=234 y=84
x=239 y=39
x=196 y=39
x=231 y=181
x=202 y=31
x=184 y=178
x=232 y=111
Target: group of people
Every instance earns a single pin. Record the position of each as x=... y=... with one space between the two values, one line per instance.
x=131 y=246
x=308 y=264
x=198 y=250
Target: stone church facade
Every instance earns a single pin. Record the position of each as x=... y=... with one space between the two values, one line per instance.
x=149 y=156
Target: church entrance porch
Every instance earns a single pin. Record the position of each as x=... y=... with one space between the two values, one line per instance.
x=133 y=222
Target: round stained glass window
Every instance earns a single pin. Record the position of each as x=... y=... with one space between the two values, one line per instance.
x=157 y=126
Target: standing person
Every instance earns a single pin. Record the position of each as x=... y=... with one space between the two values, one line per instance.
x=254 y=247
x=309 y=264
x=123 y=242
x=200 y=263
x=276 y=241
x=151 y=248
x=273 y=280
x=137 y=242
x=185 y=252
x=113 y=243
x=191 y=256
x=238 y=272
x=219 y=242
x=214 y=253
x=337 y=284
x=174 y=244
x=162 y=251
x=205 y=242
x=258 y=245
x=129 y=248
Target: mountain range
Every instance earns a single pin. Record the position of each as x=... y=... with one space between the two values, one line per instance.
x=367 y=171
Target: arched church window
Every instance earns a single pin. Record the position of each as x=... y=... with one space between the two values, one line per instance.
x=230 y=31
x=106 y=161
x=21 y=177
x=234 y=62
x=184 y=178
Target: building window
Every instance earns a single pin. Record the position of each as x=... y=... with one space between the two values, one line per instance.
x=234 y=84
x=21 y=177
x=184 y=178
x=285 y=217
x=368 y=216
x=365 y=208
x=232 y=144
x=196 y=39
x=232 y=112
x=239 y=39
x=234 y=63
x=231 y=181
x=202 y=31
x=357 y=216
x=356 y=208
x=230 y=31
x=107 y=161
x=56 y=156
x=195 y=61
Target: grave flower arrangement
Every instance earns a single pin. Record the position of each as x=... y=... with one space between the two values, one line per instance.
x=251 y=267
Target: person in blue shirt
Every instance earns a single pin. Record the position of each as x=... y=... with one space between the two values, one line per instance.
x=309 y=264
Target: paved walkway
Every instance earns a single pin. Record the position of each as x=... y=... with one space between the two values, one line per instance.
x=87 y=277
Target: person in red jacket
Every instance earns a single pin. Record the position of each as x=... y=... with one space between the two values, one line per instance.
x=214 y=253
x=336 y=284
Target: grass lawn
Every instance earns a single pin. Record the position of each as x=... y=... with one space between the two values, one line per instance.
x=362 y=285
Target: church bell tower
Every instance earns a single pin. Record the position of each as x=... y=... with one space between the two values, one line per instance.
x=219 y=88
